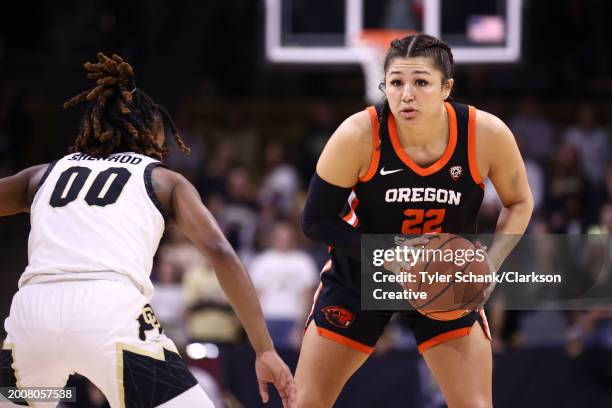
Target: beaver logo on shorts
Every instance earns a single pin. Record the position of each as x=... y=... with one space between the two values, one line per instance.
x=455 y=172
x=338 y=316
x=147 y=321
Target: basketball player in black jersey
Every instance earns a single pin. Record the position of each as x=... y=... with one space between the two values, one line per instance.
x=413 y=165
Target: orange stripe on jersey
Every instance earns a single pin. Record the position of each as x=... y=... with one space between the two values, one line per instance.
x=472 y=147
x=314 y=301
x=351 y=217
x=441 y=162
x=338 y=338
x=354 y=205
x=375 y=146
x=441 y=338
x=485 y=324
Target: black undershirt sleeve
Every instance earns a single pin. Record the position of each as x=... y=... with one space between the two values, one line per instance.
x=321 y=219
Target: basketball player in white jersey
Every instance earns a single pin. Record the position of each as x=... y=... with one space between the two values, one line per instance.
x=97 y=216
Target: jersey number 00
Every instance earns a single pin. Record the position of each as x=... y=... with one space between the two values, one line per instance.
x=105 y=189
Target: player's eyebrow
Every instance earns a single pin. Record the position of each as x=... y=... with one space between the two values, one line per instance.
x=420 y=71
x=417 y=71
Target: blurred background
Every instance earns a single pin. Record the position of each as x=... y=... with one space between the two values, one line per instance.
x=256 y=123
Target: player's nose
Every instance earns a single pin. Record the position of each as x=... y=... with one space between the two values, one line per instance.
x=407 y=93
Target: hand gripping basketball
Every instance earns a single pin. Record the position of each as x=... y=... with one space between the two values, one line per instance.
x=455 y=275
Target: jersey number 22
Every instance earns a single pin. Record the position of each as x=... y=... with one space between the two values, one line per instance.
x=420 y=221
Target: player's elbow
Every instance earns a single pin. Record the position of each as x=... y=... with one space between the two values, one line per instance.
x=305 y=225
x=218 y=250
x=313 y=221
x=527 y=204
x=530 y=202
x=524 y=205
x=309 y=227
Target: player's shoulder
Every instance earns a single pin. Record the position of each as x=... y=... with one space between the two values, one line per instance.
x=167 y=177
x=30 y=179
x=358 y=122
x=492 y=136
x=490 y=125
x=355 y=131
x=165 y=183
x=348 y=152
x=491 y=130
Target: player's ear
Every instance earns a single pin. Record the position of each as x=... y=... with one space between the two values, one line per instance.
x=447 y=87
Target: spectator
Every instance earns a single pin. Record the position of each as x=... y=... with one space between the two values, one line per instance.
x=322 y=126
x=239 y=130
x=214 y=177
x=239 y=214
x=534 y=131
x=281 y=183
x=536 y=178
x=209 y=315
x=168 y=301
x=592 y=142
x=598 y=253
x=284 y=277
x=567 y=193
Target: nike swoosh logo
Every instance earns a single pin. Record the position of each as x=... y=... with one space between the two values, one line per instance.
x=384 y=173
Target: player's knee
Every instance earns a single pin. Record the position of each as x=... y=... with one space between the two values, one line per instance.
x=311 y=402
x=472 y=401
x=312 y=397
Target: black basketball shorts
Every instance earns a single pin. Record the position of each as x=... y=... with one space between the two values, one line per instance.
x=337 y=314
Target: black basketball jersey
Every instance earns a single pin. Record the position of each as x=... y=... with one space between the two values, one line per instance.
x=397 y=196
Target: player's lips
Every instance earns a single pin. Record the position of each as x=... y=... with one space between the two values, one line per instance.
x=408 y=112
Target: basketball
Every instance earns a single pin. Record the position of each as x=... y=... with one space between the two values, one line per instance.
x=452 y=272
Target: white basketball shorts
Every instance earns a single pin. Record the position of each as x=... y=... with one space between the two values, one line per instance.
x=103 y=330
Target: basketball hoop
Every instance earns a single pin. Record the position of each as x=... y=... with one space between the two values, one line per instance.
x=381 y=38
x=353 y=39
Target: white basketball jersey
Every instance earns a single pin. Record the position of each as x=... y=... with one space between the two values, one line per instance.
x=95 y=218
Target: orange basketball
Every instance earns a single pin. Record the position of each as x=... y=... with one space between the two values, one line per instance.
x=452 y=273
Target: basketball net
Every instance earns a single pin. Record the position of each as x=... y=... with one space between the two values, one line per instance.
x=371 y=46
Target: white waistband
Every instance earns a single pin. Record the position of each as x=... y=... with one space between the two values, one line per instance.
x=81 y=276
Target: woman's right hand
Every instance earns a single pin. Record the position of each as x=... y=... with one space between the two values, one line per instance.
x=270 y=368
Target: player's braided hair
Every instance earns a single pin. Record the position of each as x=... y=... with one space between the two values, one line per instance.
x=419 y=45
x=119 y=117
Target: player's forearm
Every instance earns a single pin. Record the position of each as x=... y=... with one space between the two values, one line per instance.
x=511 y=226
x=242 y=296
x=320 y=219
x=335 y=232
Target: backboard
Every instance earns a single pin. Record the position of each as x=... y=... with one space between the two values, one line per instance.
x=359 y=31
